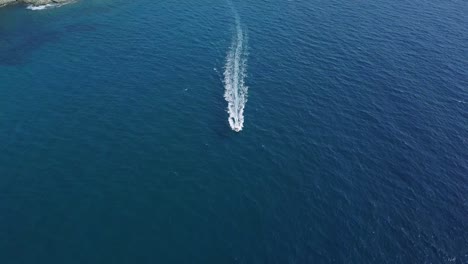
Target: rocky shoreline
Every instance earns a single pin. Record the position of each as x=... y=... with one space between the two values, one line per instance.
x=32 y=2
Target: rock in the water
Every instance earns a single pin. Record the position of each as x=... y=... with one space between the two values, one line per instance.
x=43 y=2
x=32 y=2
x=5 y=2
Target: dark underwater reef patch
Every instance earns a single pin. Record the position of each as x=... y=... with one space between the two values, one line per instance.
x=17 y=47
x=16 y=52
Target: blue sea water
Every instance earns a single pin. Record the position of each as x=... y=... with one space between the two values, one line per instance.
x=115 y=145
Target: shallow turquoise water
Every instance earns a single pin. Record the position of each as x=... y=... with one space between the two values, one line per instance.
x=116 y=148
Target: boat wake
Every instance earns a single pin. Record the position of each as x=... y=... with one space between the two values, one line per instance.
x=235 y=72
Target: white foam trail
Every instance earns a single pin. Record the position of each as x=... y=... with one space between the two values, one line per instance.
x=234 y=74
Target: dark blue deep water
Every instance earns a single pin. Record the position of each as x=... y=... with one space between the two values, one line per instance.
x=115 y=145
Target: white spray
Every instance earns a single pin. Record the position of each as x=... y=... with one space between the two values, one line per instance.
x=234 y=75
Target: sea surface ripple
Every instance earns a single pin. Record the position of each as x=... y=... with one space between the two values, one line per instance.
x=115 y=145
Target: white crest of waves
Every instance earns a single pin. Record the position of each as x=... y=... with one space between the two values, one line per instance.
x=47 y=6
x=41 y=7
x=234 y=74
